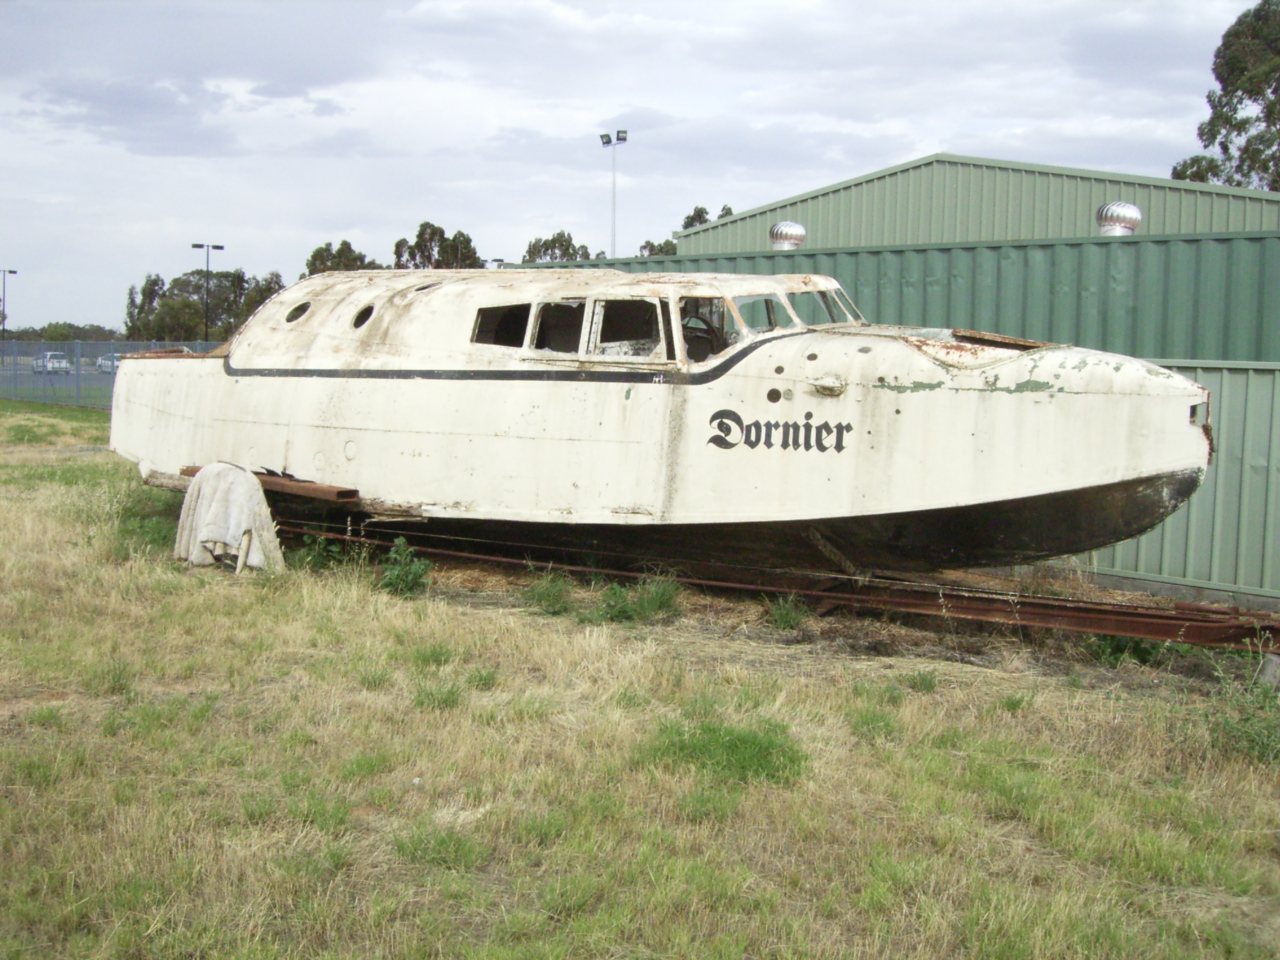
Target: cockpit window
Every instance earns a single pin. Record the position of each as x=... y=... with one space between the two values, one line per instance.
x=817 y=307
x=559 y=326
x=842 y=298
x=707 y=327
x=503 y=326
x=763 y=312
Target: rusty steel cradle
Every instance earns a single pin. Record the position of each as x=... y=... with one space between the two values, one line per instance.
x=1202 y=625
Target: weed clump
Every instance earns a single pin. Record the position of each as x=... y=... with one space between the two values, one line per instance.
x=404 y=573
x=872 y=723
x=437 y=696
x=922 y=681
x=651 y=598
x=552 y=593
x=317 y=553
x=431 y=656
x=1244 y=721
x=786 y=613
x=112 y=678
x=1113 y=651
x=433 y=846
x=765 y=751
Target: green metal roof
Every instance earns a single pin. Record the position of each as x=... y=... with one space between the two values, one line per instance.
x=945 y=198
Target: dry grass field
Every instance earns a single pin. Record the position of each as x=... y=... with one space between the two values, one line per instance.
x=198 y=765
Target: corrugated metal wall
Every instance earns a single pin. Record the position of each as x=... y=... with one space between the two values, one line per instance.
x=961 y=199
x=1228 y=536
x=1200 y=298
x=1211 y=302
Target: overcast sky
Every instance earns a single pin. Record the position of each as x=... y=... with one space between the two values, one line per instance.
x=133 y=129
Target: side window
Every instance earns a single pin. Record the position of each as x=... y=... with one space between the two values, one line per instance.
x=628 y=328
x=502 y=326
x=559 y=326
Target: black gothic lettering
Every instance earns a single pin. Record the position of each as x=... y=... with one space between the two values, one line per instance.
x=820 y=432
x=726 y=422
x=841 y=430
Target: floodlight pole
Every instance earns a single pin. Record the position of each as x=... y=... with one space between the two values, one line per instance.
x=4 y=302
x=207 y=247
x=609 y=141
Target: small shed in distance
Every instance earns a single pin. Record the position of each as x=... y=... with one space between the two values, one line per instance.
x=945 y=198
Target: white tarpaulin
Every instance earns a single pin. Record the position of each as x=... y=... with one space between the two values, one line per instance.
x=225 y=512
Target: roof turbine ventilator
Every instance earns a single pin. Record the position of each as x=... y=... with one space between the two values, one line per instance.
x=1119 y=219
x=787 y=235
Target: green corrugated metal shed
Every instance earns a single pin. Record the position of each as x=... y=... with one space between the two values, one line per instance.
x=1205 y=297
x=946 y=198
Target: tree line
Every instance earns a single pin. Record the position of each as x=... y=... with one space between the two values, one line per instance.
x=174 y=310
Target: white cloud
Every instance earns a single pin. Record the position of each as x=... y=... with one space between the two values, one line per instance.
x=272 y=126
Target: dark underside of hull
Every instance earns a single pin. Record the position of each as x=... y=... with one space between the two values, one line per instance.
x=979 y=535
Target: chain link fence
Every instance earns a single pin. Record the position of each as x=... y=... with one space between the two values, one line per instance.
x=78 y=374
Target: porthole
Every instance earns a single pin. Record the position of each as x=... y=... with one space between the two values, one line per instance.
x=812 y=356
x=774 y=395
x=363 y=316
x=297 y=312
x=778 y=369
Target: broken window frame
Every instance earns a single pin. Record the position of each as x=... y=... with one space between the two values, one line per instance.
x=663 y=352
x=505 y=307
x=535 y=327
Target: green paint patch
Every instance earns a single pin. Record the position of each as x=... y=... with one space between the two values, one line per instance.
x=1029 y=386
x=916 y=386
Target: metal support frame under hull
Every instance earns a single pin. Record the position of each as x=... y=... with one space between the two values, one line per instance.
x=1005 y=533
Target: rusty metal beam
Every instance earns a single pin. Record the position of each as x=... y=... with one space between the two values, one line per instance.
x=1196 y=624
x=300 y=488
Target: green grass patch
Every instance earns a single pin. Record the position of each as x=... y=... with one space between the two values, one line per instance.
x=1015 y=703
x=431 y=656
x=787 y=612
x=329 y=813
x=761 y=752
x=437 y=695
x=651 y=598
x=373 y=678
x=922 y=681
x=872 y=723
x=441 y=847
x=1244 y=720
x=47 y=716
x=1113 y=651
x=362 y=766
x=717 y=803
x=551 y=593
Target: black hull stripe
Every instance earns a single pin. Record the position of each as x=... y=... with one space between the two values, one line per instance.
x=664 y=375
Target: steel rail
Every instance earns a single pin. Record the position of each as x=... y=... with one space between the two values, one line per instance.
x=1195 y=624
